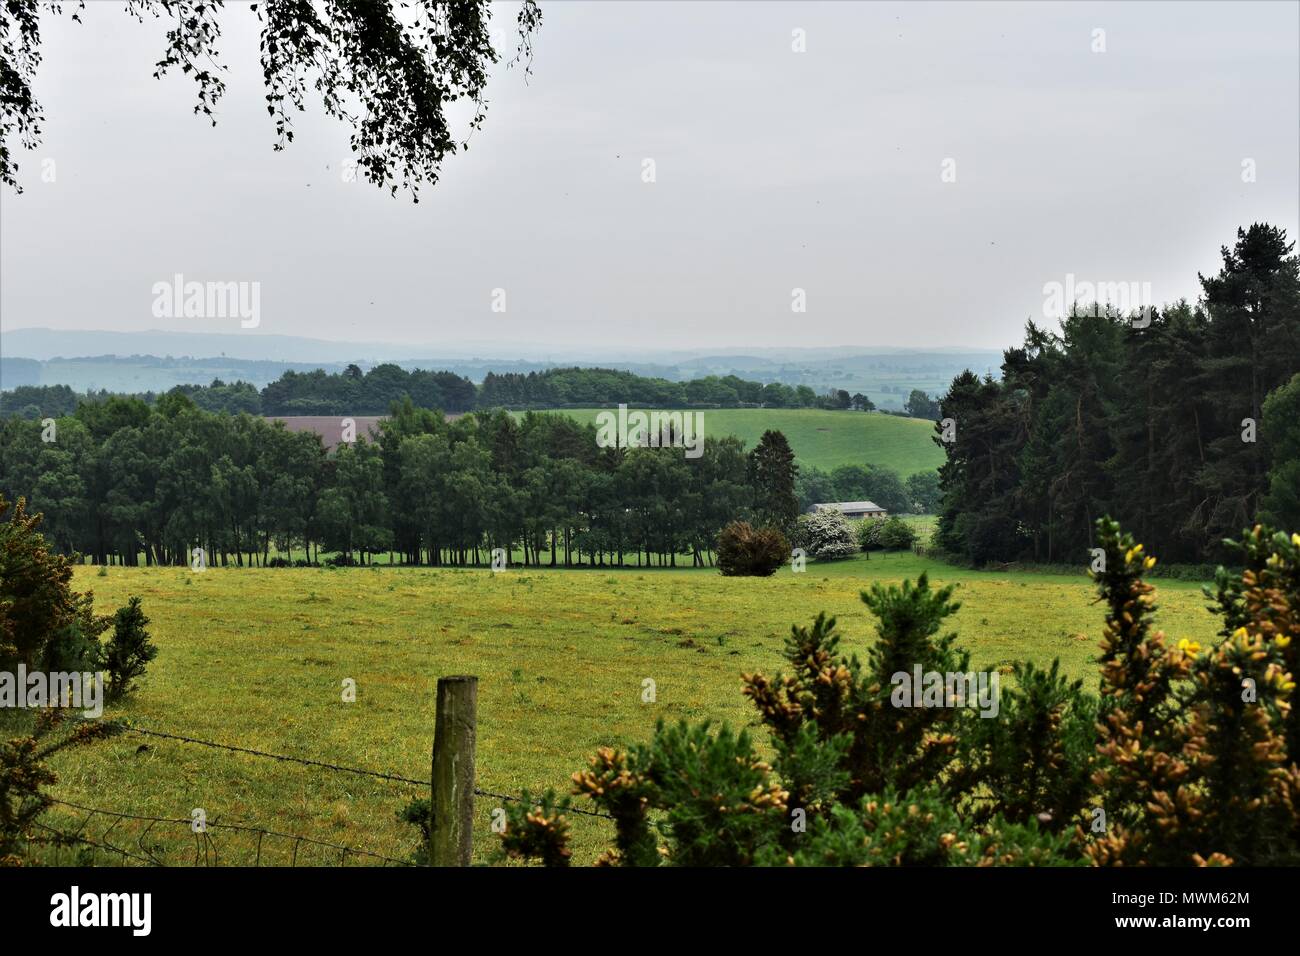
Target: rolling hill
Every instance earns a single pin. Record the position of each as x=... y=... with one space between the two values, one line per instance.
x=826 y=439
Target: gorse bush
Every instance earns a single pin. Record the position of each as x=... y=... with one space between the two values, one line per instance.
x=24 y=775
x=1186 y=756
x=1035 y=760
x=44 y=624
x=747 y=551
x=37 y=604
x=1196 y=760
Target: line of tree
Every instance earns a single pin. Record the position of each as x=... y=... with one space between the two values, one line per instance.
x=354 y=392
x=1184 y=428
x=122 y=481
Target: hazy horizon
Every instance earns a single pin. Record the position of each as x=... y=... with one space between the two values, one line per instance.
x=242 y=345
x=775 y=170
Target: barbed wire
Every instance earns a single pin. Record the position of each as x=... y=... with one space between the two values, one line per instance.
x=61 y=837
x=251 y=751
x=205 y=835
x=537 y=803
x=325 y=765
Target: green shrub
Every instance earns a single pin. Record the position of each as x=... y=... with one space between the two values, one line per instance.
x=897 y=535
x=128 y=652
x=747 y=551
x=1034 y=763
x=419 y=814
x=890 y=534
x=868 y=534
x=919 y=828
x=71 y=651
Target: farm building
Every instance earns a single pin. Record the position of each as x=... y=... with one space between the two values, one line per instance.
x=853 y=509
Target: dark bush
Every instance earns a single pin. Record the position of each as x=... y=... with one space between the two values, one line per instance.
x=745 y=551
x=128 y=652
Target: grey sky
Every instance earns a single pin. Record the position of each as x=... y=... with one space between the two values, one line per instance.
x=775 y=170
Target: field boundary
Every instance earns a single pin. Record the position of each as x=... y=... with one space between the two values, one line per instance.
x=206 y=851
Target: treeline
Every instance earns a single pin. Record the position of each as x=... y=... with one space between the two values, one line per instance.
x=596 y=386
x=919 y=494
x=122 y=481
x=1168 y=428
x=35 y=401
x=354 y=392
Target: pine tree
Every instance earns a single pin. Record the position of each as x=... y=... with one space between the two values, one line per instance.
x=1282 y=426
x=128 y=652
x=772 y=474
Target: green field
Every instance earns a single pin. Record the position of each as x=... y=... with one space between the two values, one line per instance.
x=826 y=439
x=256 y=658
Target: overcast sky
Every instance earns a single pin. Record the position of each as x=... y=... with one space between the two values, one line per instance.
x=775 y=170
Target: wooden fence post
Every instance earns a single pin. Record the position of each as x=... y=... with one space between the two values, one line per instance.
x=455 y=733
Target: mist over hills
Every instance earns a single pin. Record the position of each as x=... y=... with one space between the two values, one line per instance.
x=159 y=360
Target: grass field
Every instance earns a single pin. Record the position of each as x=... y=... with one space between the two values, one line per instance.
x=826 y=439
x=256 y=658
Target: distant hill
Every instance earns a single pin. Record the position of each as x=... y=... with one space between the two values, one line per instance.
x=157 y=361
x=54 y=343
x=145 y=373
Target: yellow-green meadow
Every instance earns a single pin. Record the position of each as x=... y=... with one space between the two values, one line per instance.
x=259 y=658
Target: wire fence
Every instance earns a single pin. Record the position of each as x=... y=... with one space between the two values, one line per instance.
x=324 y=765
x=151 y=837
x=205 y=846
